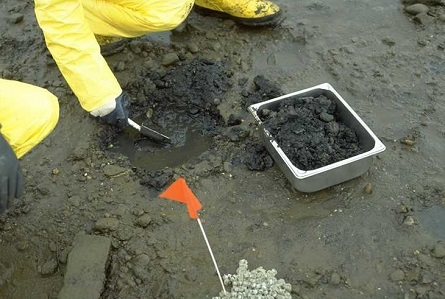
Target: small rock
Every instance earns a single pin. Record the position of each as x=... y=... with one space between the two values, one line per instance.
x=408 y=142
x=22 y=245
x=106 y=224
x=421 y=291
x=141 y=273
x=335 y=278
x=211 y=35
x=424 y=19
x=427 y=278
x=114 y=170
x=74 y=200
x=409 y=220
x=55 y=171
x=368 y=188
x=124 y=234
x=216 y=46
x=417 y=8
x=120 y=67
x=439 y=250
x=388 y=41
x=48 y=268
x=141 y=260
x=143 y=221
x=234 y=120
x=15 y=18
x=397 y=275
x=326 y=117
x=169 y=59
x=192 y=47
x=81 y=151
x=135 y=47
x=401 y=209
x=228 y=167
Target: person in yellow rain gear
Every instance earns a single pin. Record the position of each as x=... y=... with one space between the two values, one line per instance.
x=29 y=113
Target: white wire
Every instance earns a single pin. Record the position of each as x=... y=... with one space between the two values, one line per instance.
x=211 y=254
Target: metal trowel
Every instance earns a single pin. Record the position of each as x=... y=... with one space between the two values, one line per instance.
x=150 y=133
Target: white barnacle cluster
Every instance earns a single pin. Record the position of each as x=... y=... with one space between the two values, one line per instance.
x=256 y=284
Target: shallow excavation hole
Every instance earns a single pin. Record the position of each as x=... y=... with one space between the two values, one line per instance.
x=181 y=103
x=187 y=144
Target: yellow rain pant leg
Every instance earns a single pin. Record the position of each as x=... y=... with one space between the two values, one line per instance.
x=133 y=18
x=27 y=114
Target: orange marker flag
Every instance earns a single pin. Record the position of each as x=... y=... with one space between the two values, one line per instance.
x=179 y=191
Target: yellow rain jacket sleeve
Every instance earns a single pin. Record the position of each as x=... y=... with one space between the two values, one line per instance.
x=76 y=52
x=27 y=114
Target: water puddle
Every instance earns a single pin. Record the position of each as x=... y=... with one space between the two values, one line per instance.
x=187 y=144
x=433 y=221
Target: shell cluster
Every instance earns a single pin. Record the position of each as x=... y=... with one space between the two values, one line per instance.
x=256 y=284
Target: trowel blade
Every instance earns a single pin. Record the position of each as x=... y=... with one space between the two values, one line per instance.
x=150 y=133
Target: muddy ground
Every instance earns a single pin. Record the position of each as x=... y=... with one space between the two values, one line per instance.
x=378 y=236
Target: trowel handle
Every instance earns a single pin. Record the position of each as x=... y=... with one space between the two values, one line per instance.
x=134 y=125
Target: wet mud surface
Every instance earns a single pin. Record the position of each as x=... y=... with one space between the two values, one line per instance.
x=307 y=130
x=377 y=236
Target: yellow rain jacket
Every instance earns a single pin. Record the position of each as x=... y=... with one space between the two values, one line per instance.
x=27 y=114
x=69 y=27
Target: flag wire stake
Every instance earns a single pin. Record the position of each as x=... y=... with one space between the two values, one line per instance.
x=211 y=254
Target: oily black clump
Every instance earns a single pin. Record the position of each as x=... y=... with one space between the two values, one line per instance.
x=309 y=133
x=187 y=94
x=263 y=90
x=256 y=157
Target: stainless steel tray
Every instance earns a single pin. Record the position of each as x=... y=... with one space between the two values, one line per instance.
x=332 y=174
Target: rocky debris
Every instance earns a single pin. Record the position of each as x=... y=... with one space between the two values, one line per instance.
x=409 y=220
x=439 y=250
x=74 y=200
x=15 y=18
x=141 y=267
x=256 y=157
x=237 y=134
x=193 y=47
x=256 y=284
x=424 y=19
x=143 y=221
x=407 y=141
x=81 y=151
x=85 y=274
x=48 y=268
x=368 y=188
x=424 y=2
x=397 y=275
x=120 y=66
x=169 y=59
x=106 y=224
x=417 y=8
x=114 y=170
x=263 y=89
x=335 y=279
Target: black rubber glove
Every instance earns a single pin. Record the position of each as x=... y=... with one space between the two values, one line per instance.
x=119 y=116
x=11 y=178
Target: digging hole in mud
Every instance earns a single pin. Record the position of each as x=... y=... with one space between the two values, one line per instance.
x=181 y=103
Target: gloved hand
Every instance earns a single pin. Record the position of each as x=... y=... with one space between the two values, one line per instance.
x=11 y=179
x=114 y=112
